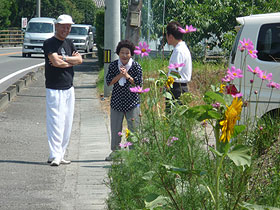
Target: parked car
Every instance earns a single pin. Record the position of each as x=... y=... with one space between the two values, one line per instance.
x=37 y=31
x=82 y=37
x=264 y=31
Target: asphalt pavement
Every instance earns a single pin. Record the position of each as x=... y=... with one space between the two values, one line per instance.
x=27 y=182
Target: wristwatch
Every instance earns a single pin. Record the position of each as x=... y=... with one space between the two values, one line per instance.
x=63 y=57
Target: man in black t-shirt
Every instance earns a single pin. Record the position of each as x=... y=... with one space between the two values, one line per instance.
x=60 y=57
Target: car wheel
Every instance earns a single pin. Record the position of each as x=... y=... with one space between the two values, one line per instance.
x=29 y=55
x=23 y=54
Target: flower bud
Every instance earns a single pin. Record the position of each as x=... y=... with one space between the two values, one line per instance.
x=251 y=81
x=256 y=92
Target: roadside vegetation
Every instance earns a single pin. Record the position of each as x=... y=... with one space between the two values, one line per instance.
x=179 y=161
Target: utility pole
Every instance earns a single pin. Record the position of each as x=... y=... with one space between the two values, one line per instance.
x=133 y=22
x=112 y=36
x=149 y=21
x=38 y=8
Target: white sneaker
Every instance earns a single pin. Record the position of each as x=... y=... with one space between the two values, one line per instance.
x=65 y=161
x=55 y=162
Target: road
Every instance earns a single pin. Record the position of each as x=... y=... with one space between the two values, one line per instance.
x=13 y=66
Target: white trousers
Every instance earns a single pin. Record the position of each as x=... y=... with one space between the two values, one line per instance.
x=60 y=111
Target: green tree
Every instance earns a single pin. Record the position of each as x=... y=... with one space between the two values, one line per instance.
x=87 y=8
x=5 y=13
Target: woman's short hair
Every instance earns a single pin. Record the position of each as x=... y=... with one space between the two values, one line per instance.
x=173 y=28
x=127 y=44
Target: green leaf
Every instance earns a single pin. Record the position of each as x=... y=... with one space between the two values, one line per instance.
x=238 y=129
x=154 y=200
x=249 y=206
x=162 y=73
x=197 y=111
x=215 y=97
x=214 y=114
x=167 y=95
x=148 y=175
x=240 y=155
x=215 y=151
x=184 y=171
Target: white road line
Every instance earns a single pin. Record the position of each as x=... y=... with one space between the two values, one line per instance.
x=19 y=72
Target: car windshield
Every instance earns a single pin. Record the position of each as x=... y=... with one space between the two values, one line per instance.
x=78 y=31
x=40 y=28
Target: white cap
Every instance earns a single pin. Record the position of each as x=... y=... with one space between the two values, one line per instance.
x=64 y=19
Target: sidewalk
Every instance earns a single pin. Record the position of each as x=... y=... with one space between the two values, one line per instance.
x=27 y=182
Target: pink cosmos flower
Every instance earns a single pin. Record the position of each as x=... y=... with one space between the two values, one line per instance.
x=120 y=133
x=176 y=65
x=171 y=140
x=126 y=144
x=264 y=76
x=247 y=44
x=216 y=105
x=241 y=48
x=253 y=53
x=139 y=89
x=142 y=49
x=234 y=73
x=273 y=85
x=238 y=95
x=226 y=79
x=254 y=71
x=188 y=29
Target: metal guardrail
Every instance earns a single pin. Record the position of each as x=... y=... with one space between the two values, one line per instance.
x=11 y=37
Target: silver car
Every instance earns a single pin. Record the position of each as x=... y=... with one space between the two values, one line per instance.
x=82 y=37
x=37 y=31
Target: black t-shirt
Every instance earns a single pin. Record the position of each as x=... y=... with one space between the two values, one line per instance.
x=58 y=78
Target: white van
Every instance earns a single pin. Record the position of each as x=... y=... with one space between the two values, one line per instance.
x=37 y=31
x=264 y=31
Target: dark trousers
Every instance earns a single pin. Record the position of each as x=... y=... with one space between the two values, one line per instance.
x=177 y=90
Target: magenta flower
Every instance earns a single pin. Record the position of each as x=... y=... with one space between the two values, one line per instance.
x=234 y=73
x=238 y=95
x=142 y=49
x=226 y=79
x=188 y=29
x=216 y=105
x=120 y=133
x=126 y=144
x=171 y=140
x=241 y=48
x=254 y=71
x=264 y=76
x=176 y=65
x=246 y=44
x=273 y=85
x=253 y=53
x=139 y=89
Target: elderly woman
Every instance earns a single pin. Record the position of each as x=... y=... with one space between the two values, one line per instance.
x=123 y=74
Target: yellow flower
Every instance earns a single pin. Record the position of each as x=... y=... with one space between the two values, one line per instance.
x=169 y=81
x=232 y=114
x=127 y=133
x=222 y=87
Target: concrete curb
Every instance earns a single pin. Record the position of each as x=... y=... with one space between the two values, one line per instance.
x=13 y=90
